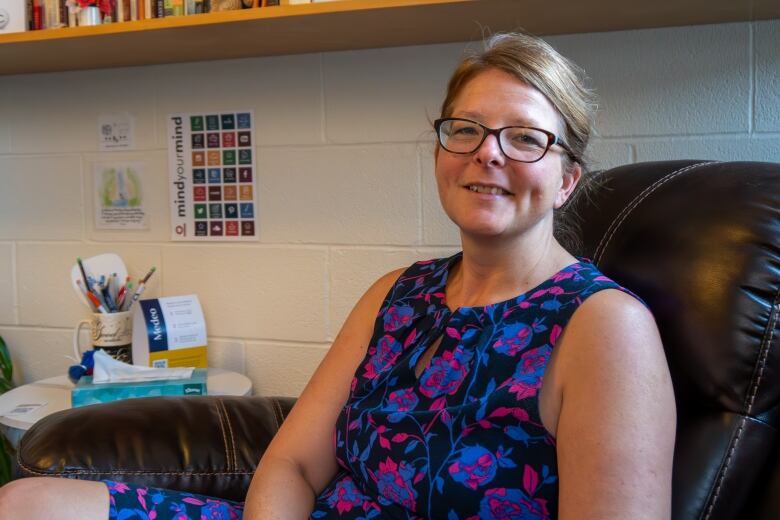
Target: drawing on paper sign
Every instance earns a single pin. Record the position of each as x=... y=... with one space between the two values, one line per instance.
x=119 y=196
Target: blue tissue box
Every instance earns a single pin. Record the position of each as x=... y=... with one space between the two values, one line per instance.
x=85 y=392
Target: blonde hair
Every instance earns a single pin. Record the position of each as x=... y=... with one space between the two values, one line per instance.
x=534 y=62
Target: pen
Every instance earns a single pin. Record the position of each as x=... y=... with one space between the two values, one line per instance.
x=106 y=290
x=141 y=287
x=88 y=280
x=83 y=272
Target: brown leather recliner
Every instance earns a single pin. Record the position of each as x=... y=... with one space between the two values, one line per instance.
x=698 y=241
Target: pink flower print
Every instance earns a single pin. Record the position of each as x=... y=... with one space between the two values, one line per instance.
x=394 y=482
x=446 y=373
x=563 y=275
x=511 y=504
x=527 y=379
x=345 y=496
x=383 y=355
x=402 y=400
x=475 y=467
x=116 y=487
x=397 y=317
x=514 y=338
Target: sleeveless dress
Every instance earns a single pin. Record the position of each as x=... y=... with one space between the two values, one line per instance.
x=464 y=440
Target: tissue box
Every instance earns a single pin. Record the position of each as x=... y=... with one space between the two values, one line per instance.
x=85 y=392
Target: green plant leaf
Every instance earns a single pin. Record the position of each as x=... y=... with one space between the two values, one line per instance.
x=6 y=377
x=6 y=368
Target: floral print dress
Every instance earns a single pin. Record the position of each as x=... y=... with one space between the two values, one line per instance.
x=464 y=440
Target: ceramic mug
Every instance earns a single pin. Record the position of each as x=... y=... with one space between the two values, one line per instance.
x=112 y=332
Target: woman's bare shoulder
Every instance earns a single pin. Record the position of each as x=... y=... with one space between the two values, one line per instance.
x=617 y=414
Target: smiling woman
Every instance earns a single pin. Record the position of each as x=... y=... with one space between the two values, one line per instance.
x=522 y=383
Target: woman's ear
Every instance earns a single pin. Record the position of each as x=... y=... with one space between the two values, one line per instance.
x=571 y=177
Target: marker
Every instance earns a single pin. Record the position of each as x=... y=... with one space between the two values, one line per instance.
x=125 y=305
x=85 y=292
x=96 y=303
x=120 y=295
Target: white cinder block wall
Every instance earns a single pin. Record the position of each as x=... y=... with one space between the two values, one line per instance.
x=346 y=186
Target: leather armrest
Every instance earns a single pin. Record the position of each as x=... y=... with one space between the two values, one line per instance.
x=209 y=445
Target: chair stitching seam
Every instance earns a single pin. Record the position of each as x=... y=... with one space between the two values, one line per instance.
x=277 y=409
x=724 y=468
x=224 y=435
x=232 y=437
x=28 y=469
x=613 y=227
x=766 y=344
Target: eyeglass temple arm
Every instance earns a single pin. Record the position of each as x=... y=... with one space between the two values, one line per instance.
x=557 y=140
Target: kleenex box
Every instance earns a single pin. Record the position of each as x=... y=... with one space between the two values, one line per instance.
x=85 y=392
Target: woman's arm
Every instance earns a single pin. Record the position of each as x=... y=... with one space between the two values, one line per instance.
x=300 y=461
x=616 y=428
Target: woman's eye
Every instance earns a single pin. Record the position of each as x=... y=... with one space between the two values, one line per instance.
x=464 y=130
x=526 y=139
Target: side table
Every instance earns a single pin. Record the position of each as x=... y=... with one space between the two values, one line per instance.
x=55 y=392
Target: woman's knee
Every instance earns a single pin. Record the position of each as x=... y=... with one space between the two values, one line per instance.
x=48 y=497
x=18 y=495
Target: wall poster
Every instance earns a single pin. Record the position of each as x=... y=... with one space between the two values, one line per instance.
x=212 y=176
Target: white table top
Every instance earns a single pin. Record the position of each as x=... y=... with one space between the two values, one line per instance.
x=55 y=392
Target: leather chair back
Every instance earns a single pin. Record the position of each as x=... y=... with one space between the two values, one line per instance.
x=698 y=241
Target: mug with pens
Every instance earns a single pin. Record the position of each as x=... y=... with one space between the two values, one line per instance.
x=103 y=285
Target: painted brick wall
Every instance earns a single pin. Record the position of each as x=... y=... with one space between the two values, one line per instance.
x=345 y=176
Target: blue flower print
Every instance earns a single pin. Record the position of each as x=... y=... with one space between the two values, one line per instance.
x=446 y=373
x=383 y=355
x=511 y=504
x=397 y=317
x=515 y=338
x=475 y=467
x=527 y=379
x=345 y=496
x=394 y=482
x=401 y=400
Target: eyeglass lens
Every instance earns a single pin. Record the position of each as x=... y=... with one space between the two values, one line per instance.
x=518 y=143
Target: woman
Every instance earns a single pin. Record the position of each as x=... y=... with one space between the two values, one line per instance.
x=447 y=396
x=447 y=414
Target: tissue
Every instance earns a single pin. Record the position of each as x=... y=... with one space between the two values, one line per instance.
x=109 y=370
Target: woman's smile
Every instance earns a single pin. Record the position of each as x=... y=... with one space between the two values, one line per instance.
x=487 y=189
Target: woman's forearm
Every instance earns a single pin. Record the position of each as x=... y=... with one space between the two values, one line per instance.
x=278 y=492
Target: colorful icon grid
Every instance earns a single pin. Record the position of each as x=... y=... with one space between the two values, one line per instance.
x=223 y=178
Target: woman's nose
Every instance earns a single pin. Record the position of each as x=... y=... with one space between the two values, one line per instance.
x=489 y=152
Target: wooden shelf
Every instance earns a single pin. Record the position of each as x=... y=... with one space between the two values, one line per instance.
x=346 y=24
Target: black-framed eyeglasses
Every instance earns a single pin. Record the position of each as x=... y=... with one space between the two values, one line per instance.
x=518 y=143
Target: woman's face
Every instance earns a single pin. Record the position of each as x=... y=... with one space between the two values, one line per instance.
x=529 y=191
